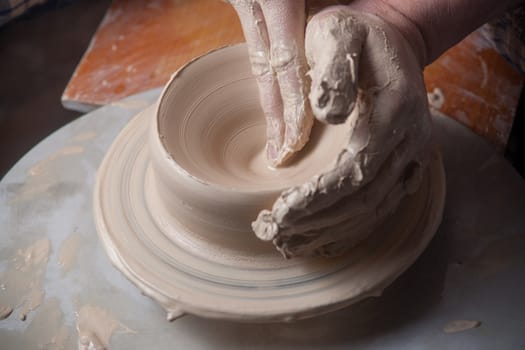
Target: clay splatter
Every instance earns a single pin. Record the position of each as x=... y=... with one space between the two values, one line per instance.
x=95 y=327
x=22 y=281
x=68 y=251
x=460 y=326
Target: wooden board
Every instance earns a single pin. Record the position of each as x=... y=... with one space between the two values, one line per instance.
x=480 y=89
x=139 y=44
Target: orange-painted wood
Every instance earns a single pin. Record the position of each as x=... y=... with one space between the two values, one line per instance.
x=139 y=44
x=480 y=88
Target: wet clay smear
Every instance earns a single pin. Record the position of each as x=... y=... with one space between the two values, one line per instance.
x=21 y=283
x=95 y=327
x=460 y=326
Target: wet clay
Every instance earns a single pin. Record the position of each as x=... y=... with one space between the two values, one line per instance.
x=276 y=53
x=95 y=327
x=210 y=130
x=5 y=312
x=218 y=134
x=68 y=251
x=366 y=75
x=46 y=330
x=40 y=167
x=179 y=228
x=22 y=281
x=460 y=326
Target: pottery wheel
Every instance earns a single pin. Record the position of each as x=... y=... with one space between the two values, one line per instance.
x=249 y=282
x=472 y=270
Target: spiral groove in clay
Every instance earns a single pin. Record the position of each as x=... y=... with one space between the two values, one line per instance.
x=177 y=191
x=210 y=127
x=211 y=124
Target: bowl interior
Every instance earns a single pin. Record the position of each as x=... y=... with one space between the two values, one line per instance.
x=211 y=123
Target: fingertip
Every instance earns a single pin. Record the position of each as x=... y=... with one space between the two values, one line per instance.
x=279 y=157
x=272 y=152
x=264 y=227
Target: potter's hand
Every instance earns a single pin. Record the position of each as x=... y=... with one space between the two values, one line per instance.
x=274 y=32
x=366 y=75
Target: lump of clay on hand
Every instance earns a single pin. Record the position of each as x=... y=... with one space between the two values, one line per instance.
x=365 y=75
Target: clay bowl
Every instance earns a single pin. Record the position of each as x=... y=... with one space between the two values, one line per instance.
x=207 y=146
x=178 y=189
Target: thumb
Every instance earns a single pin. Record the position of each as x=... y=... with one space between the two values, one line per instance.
x=333 y=43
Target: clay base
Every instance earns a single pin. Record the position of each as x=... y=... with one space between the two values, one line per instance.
x=242 y=278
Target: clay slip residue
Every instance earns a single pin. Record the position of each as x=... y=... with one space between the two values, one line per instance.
x=68 y=251
x=46 y=331
x=131 y=103
x=95 y=327
x=5 y=312
x=436 y=98
x=460 y=326
x=39 y=168
x=85 y=136
x=22 y=281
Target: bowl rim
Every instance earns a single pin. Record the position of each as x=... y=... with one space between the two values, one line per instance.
x=169 y=160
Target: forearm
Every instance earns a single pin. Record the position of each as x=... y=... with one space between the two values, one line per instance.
x=432 y=26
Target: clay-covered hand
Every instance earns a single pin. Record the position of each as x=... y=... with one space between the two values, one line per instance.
x=274 y=32
x=365 y=76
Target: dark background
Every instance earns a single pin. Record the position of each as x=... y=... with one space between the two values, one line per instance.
x=38 y=54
